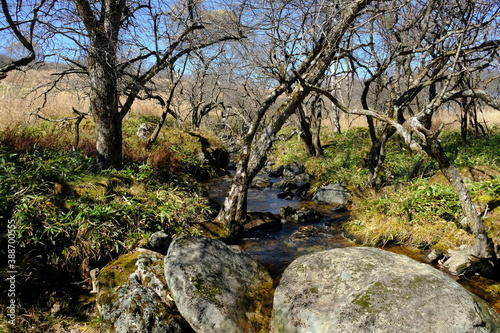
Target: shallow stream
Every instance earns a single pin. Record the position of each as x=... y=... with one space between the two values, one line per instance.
x=277 y=249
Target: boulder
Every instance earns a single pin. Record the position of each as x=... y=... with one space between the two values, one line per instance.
x=276 y=173
x=144 y=131
x=285 y=195
x=303 y=177
x=299 y=215
x=285 y=185
x=302 y=191
x=370 y=290
x=216 y=287
x=159 y=242
x=261 y=182
x=133 y=296
x=332 y=194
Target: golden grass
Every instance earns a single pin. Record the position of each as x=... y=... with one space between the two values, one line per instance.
x=382 y=230
x=20 y=98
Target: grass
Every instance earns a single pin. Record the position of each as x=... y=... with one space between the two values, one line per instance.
x=72 y=217
x=342 y=161
x=416 y=209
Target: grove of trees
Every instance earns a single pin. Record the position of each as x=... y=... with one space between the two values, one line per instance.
x=260 y=62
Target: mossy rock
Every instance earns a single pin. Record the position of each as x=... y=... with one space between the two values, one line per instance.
x=475 y=174
x=133 y=295
x=371 y=290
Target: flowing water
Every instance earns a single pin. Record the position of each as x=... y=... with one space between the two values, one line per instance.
x=277 y=249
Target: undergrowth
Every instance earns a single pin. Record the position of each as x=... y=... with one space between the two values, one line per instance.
x=71 y=216
x=409 y=209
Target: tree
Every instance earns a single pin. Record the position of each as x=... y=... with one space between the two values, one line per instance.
x=412 y=56
x=310 y=115
x=21 y=35
x=121 y=46
x=204 y=93
x=419 y=53
x=337 y=17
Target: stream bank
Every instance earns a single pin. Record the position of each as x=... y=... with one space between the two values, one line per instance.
x=276 y=249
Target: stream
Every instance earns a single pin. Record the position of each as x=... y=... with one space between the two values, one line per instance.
x=275 y=250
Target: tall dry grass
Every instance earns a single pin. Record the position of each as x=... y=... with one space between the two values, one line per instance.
x=21 y=97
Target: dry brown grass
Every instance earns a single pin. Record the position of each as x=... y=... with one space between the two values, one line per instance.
x=487 y=116
x=20 y=98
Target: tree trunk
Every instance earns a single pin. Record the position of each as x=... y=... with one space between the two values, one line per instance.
x=234 y=209
x=252 y=160
x=255 y=148
x=309 y=134
x=376 y=158
x=103 y=31
x=483 y=249
x=104 y=108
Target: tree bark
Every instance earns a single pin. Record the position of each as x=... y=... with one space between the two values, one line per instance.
x=253 y=158
x=256 y=147
x=483 y=248
x=102 y=69
x=376 y=158
x=310 y=131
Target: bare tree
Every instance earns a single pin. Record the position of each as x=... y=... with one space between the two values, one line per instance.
x=310 y=114
x=22 y=29
x=425 y=50
x=203 y=90
x=121 y=46
x=338 y=18
x=411 y=57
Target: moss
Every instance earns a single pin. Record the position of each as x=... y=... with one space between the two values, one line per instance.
x=118 y=271
x=207 y=290
x=363 y=300
x=372 y=299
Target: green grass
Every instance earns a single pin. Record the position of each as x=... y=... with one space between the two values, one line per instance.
x=72 y=217
x=67 y=208
x=409 y=209
x=342 y=161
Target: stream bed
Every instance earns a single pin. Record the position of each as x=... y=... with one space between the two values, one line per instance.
x=275 y=250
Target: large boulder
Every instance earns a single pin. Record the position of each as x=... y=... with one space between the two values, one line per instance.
x=371 y=290
x=133 y=296
x=332 y=194
x=216 y=287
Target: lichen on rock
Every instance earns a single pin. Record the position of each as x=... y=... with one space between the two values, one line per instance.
x=218 y=288
x=372 y=290
x=133 y=296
